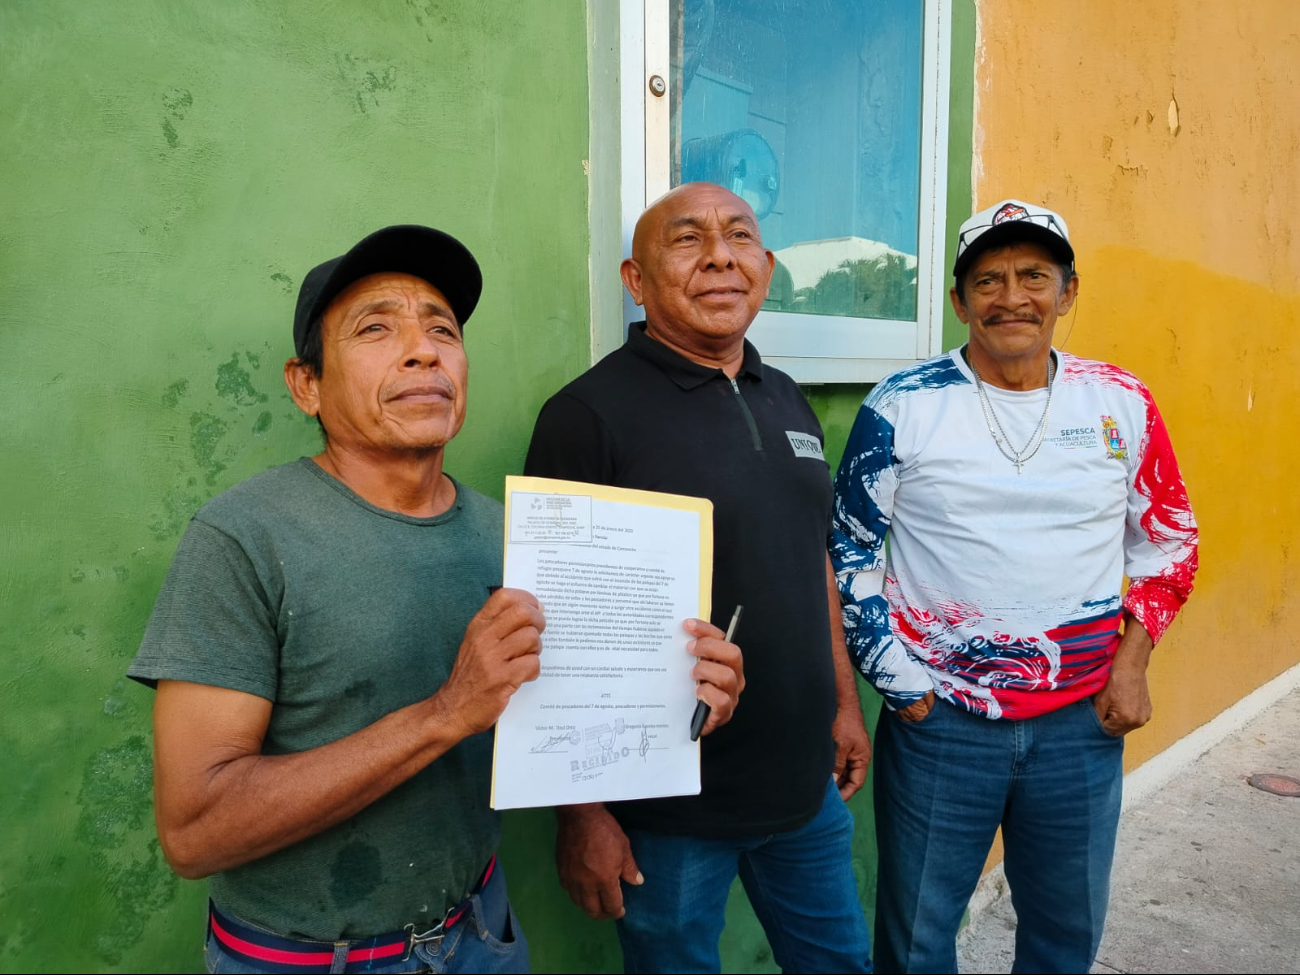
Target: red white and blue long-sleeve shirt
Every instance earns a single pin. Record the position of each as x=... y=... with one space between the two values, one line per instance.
x=1001 y=591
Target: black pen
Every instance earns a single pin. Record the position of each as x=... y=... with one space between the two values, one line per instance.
x=701 y=714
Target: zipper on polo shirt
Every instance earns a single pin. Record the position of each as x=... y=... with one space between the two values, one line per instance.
x=749 y=417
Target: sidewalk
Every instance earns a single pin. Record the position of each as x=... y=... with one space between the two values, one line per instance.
x=1207 y=869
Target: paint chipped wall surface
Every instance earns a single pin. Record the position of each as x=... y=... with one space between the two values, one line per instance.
x=170 y=172
x=1167 y=136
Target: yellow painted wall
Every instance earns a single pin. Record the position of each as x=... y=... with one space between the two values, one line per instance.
x=1167 y=133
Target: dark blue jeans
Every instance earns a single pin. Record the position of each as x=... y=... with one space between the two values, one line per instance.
x=487 y=938
x=943 y=787
x=799 y=883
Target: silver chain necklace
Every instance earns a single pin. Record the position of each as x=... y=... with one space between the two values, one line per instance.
x=999 y=435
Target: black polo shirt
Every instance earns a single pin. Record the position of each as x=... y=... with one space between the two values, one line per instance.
x=645 y=417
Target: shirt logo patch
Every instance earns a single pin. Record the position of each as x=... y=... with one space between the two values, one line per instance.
x=1115 y=444
x=1074 y=438
x=805 y=445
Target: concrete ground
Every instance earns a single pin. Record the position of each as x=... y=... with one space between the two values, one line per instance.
x=1207 y=868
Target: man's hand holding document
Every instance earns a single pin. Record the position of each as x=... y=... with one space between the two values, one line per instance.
x=624 y=578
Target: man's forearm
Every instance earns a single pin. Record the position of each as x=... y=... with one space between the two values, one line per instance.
x=1135 y=645
x=221 y=802
x=846 y=681
x=249 y=805
x=1124 y=702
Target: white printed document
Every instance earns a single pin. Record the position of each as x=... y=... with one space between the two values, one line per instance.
x=617 y=573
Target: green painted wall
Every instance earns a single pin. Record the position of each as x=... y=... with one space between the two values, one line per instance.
x=171 y=169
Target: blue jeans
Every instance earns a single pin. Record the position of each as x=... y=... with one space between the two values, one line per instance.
x=943 y=787
x=799 y=883
x=487 y=938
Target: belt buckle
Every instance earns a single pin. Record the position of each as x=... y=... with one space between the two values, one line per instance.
x=435 y=933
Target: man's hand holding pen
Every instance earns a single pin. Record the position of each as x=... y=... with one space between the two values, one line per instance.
x=720 y=672
x=592 y=853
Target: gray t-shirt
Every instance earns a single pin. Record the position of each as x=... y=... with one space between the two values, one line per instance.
x=291 y=587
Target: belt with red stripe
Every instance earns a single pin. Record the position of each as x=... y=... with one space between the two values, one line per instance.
x=276 y=953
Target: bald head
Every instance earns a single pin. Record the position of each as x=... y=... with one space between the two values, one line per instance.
x=699 y=268
x=683 y=201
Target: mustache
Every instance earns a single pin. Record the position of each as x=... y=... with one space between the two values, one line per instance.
x=1025 y=317
x=439 y=384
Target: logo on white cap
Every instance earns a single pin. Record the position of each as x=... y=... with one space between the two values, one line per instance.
x=1010 y=211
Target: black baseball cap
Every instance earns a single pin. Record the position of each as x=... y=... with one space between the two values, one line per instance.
x=438 y=258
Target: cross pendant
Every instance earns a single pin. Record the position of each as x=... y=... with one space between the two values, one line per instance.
x=1019 y=463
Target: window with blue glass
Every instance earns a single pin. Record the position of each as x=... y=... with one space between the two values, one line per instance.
x=829 y=117
x=811 y=111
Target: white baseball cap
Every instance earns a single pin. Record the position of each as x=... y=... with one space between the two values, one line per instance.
x=1009 y=221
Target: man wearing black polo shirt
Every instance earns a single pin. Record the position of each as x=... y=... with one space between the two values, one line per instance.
x=687 y=407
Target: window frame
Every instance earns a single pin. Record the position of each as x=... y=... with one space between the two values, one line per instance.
x=813 y=349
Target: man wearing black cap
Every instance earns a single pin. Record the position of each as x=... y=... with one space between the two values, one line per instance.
x=1017 y=485
x=328 y=658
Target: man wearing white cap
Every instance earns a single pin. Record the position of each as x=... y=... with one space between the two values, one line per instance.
x=1018 y=485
